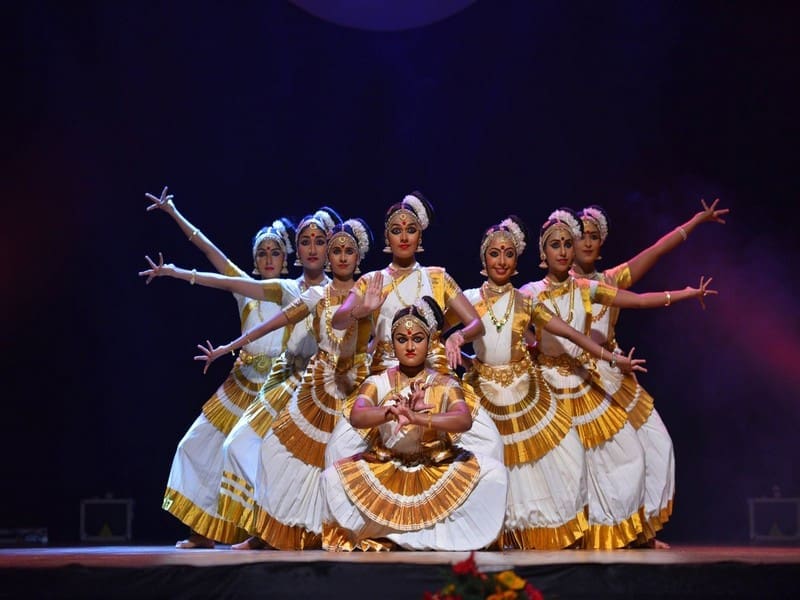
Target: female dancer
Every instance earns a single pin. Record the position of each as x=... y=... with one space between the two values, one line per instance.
x=659 y=455
x=404 y=282
x=614 y=455
x=239 y=450
x=287 y=492
x=413 y=487
x=547 y=494
x=192 y=493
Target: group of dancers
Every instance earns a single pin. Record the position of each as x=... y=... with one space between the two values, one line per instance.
x=354 y=419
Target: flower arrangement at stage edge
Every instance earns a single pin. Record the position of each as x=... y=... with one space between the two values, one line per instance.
x=466 y=582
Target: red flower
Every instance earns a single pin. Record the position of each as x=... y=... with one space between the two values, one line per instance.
x=532 y=593
x=466 y=566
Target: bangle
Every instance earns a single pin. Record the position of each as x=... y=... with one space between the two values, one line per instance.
x=683 y=233
x=233 y=352
x=194 y=233
x=613 y=360
x=193 y=277
x=669 y=298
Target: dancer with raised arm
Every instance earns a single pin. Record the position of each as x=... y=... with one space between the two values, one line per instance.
x=288 y=513
x=544 y=456
x=614 y=455
x=653 y=434
x=192 y=493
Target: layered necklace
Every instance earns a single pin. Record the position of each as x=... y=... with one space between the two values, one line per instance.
x=336 y=339
x=571 y=283
x=498 y=323
x=396 y=289
x=595 y=276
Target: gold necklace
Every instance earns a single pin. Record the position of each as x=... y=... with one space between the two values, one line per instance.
x=594 y=276
x=550 y=287
x=337 y=340
x=396 y=290
x=497 y=289
x=498 y=324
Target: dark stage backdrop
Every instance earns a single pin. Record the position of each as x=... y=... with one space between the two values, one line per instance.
x=254 y=110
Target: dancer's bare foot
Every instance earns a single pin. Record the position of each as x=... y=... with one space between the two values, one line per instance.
x=195 y=540
x=657 y=544
x=251 y=543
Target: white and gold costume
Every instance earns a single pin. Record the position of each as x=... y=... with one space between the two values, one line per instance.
x=625 y=389
x=414 y=488
x=241 y=448
x=544 y=456
x=614 y=454
x=291 y=456
x=192 y=493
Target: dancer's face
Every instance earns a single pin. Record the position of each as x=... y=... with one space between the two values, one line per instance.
x=410 y=342
x=311 y=246
x=501 y=260
x=588 y=247
x=269 y=259
x=559 y=252
x=343 y=257
x=403 y=234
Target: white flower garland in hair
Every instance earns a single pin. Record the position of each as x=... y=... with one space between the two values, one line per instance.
x=430 y=318
x=419 y=209
x=325 y=218
x=516 y=234
x=599 y=218
x=362 y=239
x=280 y=229
x=570 y=221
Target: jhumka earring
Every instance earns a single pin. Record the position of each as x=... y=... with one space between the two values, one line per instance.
x=357 y=270
x=284 y=268
x=327 y=267
x=298 y=262
x=386 y=248
x=419 y=246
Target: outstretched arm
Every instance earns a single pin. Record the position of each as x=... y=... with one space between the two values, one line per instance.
x=628 y=299
x=640 y=264
x=626 y=364
x=166 y=203
x=238 y=285
x=210 y=353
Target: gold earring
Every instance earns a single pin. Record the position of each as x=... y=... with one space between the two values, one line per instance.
x=419 y=246
x=298 y=262
x=284 y=268
x=386 y=247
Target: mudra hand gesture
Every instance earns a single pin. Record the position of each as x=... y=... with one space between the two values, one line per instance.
x=703 y=290
x=373 y=296
x=628 y=364
x=712 y=213
x=209 y=354
x=157 y=270
x=164 y=202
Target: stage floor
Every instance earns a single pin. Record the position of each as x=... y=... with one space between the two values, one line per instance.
x=165 y=572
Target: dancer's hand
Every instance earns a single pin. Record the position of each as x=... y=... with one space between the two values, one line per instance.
x=703 y=290
x=453 y=349
x=712 y=213
x=164 y=202
x=157 y=270
x=373 y=296
x=209 y=354
x=628 y=364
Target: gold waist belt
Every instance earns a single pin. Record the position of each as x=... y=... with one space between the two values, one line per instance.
x=505 y=374
x=260 y=362
x=343 y=363
x=564 y=363
x=429 y=458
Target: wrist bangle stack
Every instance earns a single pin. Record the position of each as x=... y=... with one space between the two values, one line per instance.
x=683 y=233
x=613 y=360
x=193 y=277
x=668 y=300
